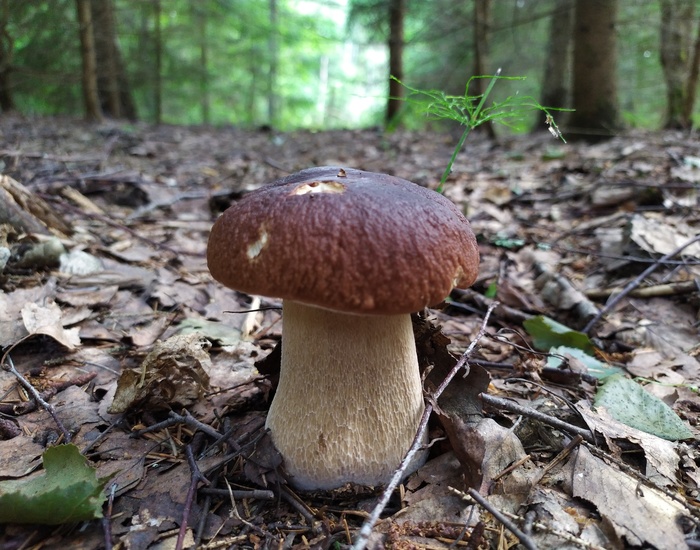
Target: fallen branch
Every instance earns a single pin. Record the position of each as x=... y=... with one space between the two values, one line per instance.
x=532 y=413
x=524 y=539
x=654 y=291
x=636 y=282
x=9 y=365
x=368 y=525
x=197 y=478
x=504 y=518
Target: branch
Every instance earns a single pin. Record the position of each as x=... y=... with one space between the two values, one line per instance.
x=636 y=282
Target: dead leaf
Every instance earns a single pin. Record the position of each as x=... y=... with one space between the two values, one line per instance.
x=173 y=375
x=46 y=319
x=638 y=513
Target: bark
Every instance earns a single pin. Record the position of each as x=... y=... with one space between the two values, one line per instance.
x=112 y=84
x=594 y=79
x=482 y=27
x=692 y=85
x=6 y=48
x=201 y=19
x=273 y=46
x=87 y=51
x=158 y=54
x=557 y=72
x=397 y=16
x=676 y=56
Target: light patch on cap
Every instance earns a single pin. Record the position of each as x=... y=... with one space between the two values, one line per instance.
x=319 y=187
x=255 y=249
x=457 y=279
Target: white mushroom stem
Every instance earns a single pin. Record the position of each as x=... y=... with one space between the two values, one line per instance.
x=349 y=399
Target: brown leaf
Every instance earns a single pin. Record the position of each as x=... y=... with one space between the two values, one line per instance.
x=173 y=375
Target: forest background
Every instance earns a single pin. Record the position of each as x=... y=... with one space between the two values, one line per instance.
x=325 y=64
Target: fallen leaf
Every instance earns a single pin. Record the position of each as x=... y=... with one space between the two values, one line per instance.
x=67 y=490
x=46 y=319
x=638 y=513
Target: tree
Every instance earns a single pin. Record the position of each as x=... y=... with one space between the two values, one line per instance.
x=158 y=62
x=679 y=60
x=112 y=84
x=200 y=16
x=594 y=78
x=272 y=73
x=6 y=46
x=397 y=16
x=87 y=53
x=482 y=27
x=557 y=72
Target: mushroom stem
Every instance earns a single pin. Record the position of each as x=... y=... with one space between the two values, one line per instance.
x=349 y=399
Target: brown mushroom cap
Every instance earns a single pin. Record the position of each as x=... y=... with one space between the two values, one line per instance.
x=346 y=240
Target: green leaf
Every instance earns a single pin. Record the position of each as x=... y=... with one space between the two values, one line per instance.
x=627 y=402
x=492 y=290
x=546 y=333
x=595 y=368
x=67 y=490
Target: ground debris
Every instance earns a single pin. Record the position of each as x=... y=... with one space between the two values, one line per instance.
x=560 y=237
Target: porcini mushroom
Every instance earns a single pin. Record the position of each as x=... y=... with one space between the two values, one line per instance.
x=351 y=254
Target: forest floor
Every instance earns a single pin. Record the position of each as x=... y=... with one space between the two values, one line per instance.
x=103 y=275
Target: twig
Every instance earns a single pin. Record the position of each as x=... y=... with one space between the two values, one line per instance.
x=368 y=525
x=540 y=526
x=291 y=498
x=9 y=365
x=107 y=519
x=197 y=477
x=524 y=539
x=258 y=494
x=668 y=289
x=174 y=419
x=636 y=282
x=532 y=413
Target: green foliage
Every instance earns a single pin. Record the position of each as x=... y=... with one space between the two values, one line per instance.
x=546 y=333
x=471 y=111
x=594 y=368
x=67 y=490
x=629 y=403
x=331 y=70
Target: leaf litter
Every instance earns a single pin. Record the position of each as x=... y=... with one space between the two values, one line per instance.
x=104 y=285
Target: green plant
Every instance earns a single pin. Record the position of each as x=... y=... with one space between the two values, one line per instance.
x=470 y=110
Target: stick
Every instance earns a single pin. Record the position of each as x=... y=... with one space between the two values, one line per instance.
x=9 y=365
x=525 y=540
x=369 y=523
x=532 y=413
x=197 y=477
x=636 y=282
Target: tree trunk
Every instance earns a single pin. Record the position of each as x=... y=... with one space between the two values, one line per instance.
x=676 y=30
x=201 y=19
x=87 y=51
x=273 y=47
x=158 y=69
x=692 y=85
x=112 y=85
x=595 y=62
x=482 y=28
x=397 y=15
x=6 y=47
x=557 y=71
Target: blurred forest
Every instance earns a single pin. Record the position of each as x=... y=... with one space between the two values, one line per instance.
x=325 y=64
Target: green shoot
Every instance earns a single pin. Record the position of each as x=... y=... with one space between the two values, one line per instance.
x=469 y=111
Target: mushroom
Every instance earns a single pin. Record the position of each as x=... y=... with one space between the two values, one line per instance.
x=352 y=254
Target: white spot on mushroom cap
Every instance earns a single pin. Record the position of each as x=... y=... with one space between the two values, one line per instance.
x=256 y=248
x=319 y=187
